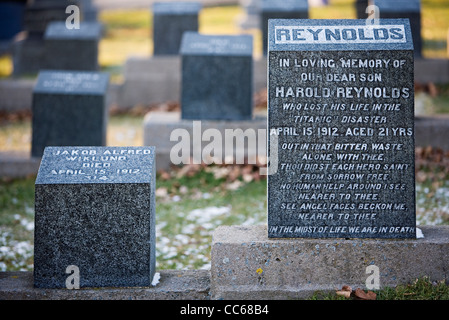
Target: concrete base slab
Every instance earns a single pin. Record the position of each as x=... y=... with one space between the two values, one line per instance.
x=166 y=131
x=431 y=70
x=150 y=80
x=432 y=131
x=173 y=285
x=245 y=264
x=18 y=164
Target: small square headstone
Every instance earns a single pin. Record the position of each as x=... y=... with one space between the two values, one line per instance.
x=95 y=210
x=69 y=109
x=217 y=73
x=341 y=115
x=72 y=49
x=281 y=9
x=170 y=21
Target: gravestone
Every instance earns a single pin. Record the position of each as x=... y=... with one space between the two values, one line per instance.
x=217 y=73
x=95 y=210
x=281 y=9
x=170 y=21
x=69 y=109
x=341 y=114
x=29 y=53
x=407 y=9
x=72 y=49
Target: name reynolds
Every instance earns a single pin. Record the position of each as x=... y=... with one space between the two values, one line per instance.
x=339 y=34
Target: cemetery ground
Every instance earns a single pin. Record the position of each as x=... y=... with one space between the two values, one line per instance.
x=193 y=200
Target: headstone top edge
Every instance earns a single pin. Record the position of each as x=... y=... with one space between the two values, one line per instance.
x=57 y=30
x=195 y=43
x=77 y=82
x=146 y=162
x=284 y=6
x=176 y=8
x=398 y=6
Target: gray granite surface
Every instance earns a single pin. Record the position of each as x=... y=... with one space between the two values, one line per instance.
x=95 y=209
x=69 y=109
x=217 y=77
x=342 y=108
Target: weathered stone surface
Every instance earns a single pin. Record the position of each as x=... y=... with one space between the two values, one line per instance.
x=245 y=264
x=95 y=209
x=341 y=105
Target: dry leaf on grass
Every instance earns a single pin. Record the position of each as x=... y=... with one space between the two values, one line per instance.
x=345 y=291
x=360 y=294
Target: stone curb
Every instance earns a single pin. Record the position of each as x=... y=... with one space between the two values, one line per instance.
x=173 y=285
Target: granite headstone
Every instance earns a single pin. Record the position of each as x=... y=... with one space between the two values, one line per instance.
x=406 y=9
x=95 y=210
x=170 y=21
x=217 y=73
x=72 y=49
x=341 y=105
x=69 y=109
x=281 y=9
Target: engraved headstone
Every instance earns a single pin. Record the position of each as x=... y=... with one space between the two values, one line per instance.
x=341 y=105
x=95 y=209
x=281 y=9
x=406 y=9
x=72 y=49
x=170 y=21
x=217 y=77
x=69 y=109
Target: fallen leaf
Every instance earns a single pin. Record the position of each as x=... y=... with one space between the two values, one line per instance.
x=360 y=294
x=346 y=288
x=344 y=293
